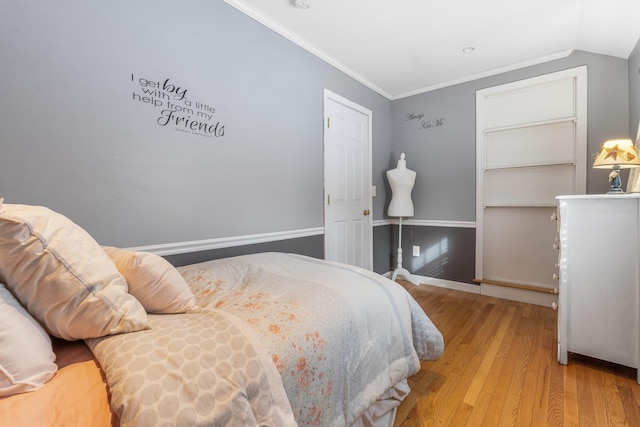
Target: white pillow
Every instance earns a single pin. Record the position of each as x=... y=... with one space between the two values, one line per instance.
x=62 y=276
x=27 y=360
x=154 y=282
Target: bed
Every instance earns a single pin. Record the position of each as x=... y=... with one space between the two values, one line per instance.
x=122 y=338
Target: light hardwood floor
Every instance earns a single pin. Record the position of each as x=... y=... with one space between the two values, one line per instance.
x=500 y=368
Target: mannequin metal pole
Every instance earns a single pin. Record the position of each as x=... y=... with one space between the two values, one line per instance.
x=399 y=271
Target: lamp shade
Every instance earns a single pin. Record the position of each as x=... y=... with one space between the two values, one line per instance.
x=617 y=152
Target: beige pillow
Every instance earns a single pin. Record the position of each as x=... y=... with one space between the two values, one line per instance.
x=154 y=282
x=62 y=276
x=27 y=360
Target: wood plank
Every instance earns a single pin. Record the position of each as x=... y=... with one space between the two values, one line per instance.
x=542 y=405
x=471 y=396
x=500 y=368
x=612 y=400
x=630 y=405
x=521 y=356
x=478 y=336
x=479 y=415
x=522 y=286
x=529 y=401
x=556 y=384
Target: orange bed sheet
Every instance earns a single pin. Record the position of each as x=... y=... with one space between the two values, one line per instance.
x=76 y=396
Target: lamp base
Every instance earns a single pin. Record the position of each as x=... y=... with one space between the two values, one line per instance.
x=614 y=179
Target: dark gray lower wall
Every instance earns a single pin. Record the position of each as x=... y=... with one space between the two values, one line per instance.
x=382 y=258
x=312 y=246
x=446 y=253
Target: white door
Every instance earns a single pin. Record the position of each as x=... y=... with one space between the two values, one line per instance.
x=347 y=182
x=531 y=147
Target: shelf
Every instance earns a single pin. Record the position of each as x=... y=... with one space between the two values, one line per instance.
x=530 y=125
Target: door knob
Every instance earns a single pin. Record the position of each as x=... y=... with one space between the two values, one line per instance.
x=366 y=212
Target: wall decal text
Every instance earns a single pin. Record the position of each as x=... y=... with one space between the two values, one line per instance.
x=422 y=123
x=176 y=110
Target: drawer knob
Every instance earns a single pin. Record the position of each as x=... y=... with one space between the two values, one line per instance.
x=554 y=216
x=555 y=276
x=554 y=306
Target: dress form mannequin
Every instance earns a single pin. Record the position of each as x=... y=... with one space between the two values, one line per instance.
x=401 y=181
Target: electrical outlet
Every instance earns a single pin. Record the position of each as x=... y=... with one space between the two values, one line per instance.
x=416 y=251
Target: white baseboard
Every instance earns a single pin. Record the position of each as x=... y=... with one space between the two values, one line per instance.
x=513 y=294
x=522 y=295
x=441 y=283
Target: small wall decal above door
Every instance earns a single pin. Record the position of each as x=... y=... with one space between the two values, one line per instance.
x=424 y=124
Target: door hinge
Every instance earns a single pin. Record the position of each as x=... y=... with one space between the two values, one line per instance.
x=328 y=122
x=328 y=199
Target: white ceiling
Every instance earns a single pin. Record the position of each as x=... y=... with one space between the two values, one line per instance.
x=404 y=47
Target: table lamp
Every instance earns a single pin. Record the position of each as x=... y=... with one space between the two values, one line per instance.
x=616 y=154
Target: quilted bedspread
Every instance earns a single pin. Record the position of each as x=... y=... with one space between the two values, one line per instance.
x=278 y=340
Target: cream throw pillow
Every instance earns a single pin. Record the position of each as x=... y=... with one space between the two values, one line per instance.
x=62 y=276
x=27 y=360
x=154 y=282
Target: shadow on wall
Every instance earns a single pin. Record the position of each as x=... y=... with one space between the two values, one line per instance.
x=433 y=260
x=446 y=253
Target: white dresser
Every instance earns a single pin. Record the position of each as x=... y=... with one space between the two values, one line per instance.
x=599 y=290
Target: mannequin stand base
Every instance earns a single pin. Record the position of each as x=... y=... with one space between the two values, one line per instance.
x=404 y=274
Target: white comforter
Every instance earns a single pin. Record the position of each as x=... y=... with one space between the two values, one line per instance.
x=279 y=340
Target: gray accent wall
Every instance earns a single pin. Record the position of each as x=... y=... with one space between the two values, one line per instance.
x=79 y=134
x=444 y=156
x=436 y=131
x=382 y=257
x=310 y=246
